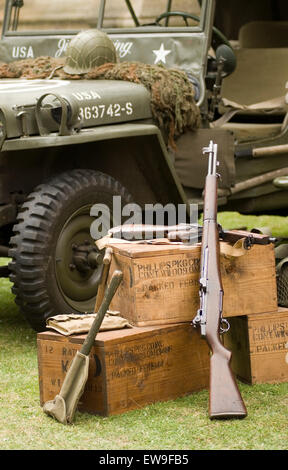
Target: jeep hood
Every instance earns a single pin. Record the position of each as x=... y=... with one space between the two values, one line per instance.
x=88 y=103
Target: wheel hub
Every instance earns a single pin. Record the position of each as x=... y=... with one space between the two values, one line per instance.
x=78 y=264
x=85 y=257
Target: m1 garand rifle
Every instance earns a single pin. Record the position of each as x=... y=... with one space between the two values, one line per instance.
x=225 y=400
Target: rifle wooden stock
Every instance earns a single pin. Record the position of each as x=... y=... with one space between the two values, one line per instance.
x=225 y=400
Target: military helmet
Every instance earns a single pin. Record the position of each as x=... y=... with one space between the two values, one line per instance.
x=87 y=50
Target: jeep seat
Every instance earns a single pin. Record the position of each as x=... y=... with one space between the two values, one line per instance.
x=264 y=34
x=260 y=76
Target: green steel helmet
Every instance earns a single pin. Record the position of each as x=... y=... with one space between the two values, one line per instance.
x=87 y=50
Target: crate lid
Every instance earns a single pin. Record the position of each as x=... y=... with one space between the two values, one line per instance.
x=112 y=336
x=142 y=250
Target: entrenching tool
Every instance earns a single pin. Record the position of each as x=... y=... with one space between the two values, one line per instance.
x=64 y=405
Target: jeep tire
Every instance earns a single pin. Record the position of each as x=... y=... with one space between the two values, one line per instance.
x=53 y=226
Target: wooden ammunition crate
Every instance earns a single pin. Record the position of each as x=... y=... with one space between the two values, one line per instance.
x=161 y=283
x=259 y=346
x=129 y=368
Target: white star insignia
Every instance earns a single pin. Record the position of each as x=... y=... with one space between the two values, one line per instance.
x=161 y=54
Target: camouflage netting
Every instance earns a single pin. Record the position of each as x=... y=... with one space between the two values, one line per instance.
x=172 y=95
x=30 y=68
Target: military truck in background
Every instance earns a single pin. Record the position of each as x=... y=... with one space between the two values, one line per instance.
x=53 y=170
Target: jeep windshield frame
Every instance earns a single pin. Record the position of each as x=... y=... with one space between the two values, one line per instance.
x=184 y=47
x=154 y=28
x=12 y=19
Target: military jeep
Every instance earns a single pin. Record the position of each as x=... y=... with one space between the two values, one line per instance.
x=53 y=170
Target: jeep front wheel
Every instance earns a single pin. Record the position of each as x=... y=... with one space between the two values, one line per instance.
x=55 y=266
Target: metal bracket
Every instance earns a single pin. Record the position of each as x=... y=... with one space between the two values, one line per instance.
x=65 y=128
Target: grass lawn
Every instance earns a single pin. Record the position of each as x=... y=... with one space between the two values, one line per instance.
x=179 y=424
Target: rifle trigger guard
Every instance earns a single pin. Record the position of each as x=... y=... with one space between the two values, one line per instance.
x=248 y=242
x=224 y=329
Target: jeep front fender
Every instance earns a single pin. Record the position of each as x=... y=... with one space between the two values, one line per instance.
x=134 y=153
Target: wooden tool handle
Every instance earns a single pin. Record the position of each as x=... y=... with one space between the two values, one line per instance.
x=108 y=255
x=113 y=286
x=101 y=288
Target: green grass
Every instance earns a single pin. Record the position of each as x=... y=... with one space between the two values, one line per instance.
x=277 y=224
x=179 y=424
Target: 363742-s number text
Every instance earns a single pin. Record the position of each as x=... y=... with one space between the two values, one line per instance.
x=100 y=111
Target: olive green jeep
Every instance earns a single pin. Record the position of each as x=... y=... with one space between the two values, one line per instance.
x=68 y=144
